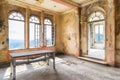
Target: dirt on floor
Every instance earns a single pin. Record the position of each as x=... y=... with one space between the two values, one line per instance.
x=67 y=68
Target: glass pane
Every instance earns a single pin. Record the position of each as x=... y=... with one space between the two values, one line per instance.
x=96 y=16
x=16 y=16
x=49 y=35
x=34 y=35
x=16 y=34
x=96 y=33
x=31 y=35
x=101 y=33
x=47 y=21
x=34 y=19
x=34 y=32
x=11 y=16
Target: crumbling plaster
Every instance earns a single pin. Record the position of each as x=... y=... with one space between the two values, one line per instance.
x=117 y=33
x=107 y=7
x=3 y=32
x=5 y=10
x=68 y=32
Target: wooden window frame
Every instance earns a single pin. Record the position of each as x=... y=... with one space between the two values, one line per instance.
x=37 y=34
x=21 y=20
x=27 y=33
x=53 y=32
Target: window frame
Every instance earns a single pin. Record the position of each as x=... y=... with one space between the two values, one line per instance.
x=40 y=33
x=98 y=24
x=52 y=32
x=41 y=17
x=18 y=12
x=91 y=16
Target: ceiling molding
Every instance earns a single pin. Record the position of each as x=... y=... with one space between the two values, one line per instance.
x=88 y=2
x=64 y=2
x=75 y=4
x=30 y=6
x=72 y=3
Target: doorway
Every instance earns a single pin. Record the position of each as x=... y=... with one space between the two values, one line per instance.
x=96 y=36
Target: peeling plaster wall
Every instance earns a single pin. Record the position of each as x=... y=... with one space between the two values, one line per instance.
x=107 y=7
x=117 y=34
x=67 y=30
x=68 y=33
x=59 y=46
x=3 y=32
x=110 y=33
x=5 y=10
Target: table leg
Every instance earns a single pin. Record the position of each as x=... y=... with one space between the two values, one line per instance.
x=48 y=58
x=54 y=60
x=28 y=59
x=14 y=69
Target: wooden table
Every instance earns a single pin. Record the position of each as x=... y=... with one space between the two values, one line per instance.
x=16 y=55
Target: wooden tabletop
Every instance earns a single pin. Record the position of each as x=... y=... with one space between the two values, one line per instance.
x=30 y=53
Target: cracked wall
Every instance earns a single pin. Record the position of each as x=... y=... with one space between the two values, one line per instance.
x=117 y=33
x=3 y=32
x=107 y=7
x=68 y=33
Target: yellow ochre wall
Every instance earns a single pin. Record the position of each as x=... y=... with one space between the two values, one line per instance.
x=71 y=30
x=68 y=33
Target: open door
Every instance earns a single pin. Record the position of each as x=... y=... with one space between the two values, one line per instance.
x=96 y=36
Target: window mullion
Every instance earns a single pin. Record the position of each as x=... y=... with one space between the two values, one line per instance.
x=98 y=33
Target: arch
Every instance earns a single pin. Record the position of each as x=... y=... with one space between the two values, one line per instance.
x=34 y=32
x=96 y=16
x=47 y=21
x=14 y=15
x=49 y=32
x=96 y=33
x=95 y=9
x=34 y=19
x=16 y=30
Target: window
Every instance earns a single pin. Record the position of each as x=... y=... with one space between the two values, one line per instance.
x=35 y=32
x=16 y=31
x=48 y=32
x=32 y=35
x=96 y=16
x=97 y=21
x=99 y=30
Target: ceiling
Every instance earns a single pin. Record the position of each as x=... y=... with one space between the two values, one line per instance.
x=81 y=1
x=55 y=5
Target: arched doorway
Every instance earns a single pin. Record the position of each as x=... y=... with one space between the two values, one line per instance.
x=96 y=35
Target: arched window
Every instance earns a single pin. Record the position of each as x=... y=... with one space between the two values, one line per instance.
x=48 y=32
x=16 y=31
x=97 y=23
x=35 y=32
x=96 y=16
